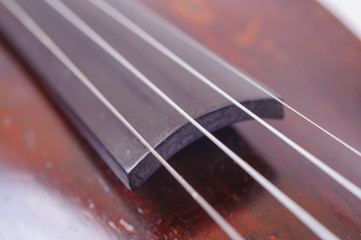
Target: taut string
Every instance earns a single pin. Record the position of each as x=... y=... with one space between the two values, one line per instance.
x=120 y=18
x=179 y=33
x=35 y=29
x=292 y=206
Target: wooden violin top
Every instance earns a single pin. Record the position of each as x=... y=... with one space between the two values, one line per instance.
x=54 y=185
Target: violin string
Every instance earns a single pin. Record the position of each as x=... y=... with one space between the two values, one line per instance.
x=292 y=206
x=191 y=41
x=130 y=25
x=35 y=29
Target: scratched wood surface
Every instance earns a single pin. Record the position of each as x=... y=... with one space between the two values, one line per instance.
x=53 y=185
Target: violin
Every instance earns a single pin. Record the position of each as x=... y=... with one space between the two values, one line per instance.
x=57 y=183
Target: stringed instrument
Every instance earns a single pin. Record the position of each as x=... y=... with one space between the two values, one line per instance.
x=55 y=186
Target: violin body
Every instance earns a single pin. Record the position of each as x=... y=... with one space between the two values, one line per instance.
x=53 y=185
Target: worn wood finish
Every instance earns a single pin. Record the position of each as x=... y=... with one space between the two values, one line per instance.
x=53 y=185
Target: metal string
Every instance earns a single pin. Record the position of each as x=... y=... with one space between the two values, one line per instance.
x=292 y=206
x=179 y=33
x=120 y=18
x=28 y=22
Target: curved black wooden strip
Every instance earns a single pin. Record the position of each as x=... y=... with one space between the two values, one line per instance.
x=163 y=127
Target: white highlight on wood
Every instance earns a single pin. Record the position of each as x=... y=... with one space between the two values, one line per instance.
x=347 y=11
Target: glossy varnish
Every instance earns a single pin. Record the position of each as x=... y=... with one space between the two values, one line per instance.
x=54 y=185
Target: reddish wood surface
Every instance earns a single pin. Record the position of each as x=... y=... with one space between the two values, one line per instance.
x=53 y=185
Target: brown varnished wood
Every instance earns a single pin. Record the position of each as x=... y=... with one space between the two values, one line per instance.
x=53 y=184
